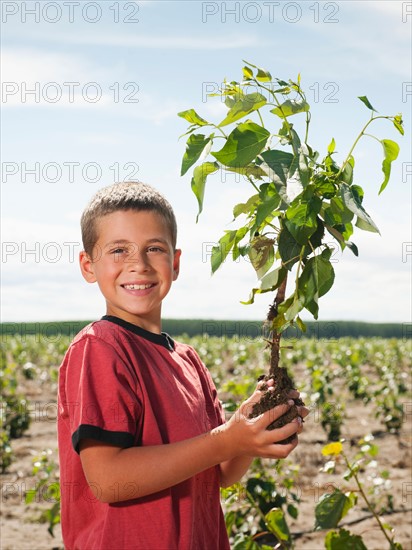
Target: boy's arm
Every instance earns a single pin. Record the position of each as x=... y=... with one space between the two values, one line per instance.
x=116 y=474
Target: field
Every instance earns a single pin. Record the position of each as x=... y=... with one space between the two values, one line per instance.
x=359 y=391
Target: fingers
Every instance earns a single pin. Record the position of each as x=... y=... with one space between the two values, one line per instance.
x=303 y=411
x=279 y=434
x=273 y=414
x=270 y=383
x=282 y=451
x=256 y=395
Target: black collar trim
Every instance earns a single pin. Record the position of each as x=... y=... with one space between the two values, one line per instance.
x=162 y=339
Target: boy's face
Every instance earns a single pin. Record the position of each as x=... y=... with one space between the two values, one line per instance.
x=134 y=265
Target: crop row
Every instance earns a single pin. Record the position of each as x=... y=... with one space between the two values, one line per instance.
x=329 y=374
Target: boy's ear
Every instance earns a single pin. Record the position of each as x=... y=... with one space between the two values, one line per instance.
x=86 y=267
x=176 y=263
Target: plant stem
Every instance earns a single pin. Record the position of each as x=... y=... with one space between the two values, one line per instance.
x=220 y=130
x=253 y=183
x=356 y=142
x=273 y=311
x=365 y=498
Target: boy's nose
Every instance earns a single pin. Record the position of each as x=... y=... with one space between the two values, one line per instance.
x=138 y=262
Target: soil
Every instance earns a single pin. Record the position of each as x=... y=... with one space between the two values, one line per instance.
x=278 y=396
x=22 y=530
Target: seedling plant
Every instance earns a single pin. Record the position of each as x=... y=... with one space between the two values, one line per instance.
x=299 y=198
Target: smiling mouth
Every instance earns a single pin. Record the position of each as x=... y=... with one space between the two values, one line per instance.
x=138 y=287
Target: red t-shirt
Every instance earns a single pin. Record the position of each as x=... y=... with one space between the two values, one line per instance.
x=121 y=384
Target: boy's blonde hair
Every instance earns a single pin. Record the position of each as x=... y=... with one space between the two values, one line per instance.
x=129 y=195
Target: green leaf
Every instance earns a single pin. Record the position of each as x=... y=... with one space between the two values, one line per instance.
x=347 y=172
x=243 y=542
x=243 y=106
x=303 y=168
x=195 y=145
x=191 y=116
x=291 y=307
x=301 y=324
x=398 y=123
x=292 y=511
x=243 y=145
x=365 y=100
x=331 y=146
x=261 y=254
x=279 y=163
x=352 y=247
x=304 y=209
x=247 y=73
x=200 y=174
x=276 y=522
x=336 y=213
x=365 y=226
x=240 y=233
x=30 y=496
x=325 y=187
x=341 y=239
x=263 y=76
x=335 y=233
x=330 y=510
x=220 y=252
x=251 y=170
x=271 y=281
x=351 y=200
x=302 y=216
x=391 y=152
x=289 y=248
x=266 y=208
x=291 y=107
x=317 y=279
x=316 y=238
x=343 y=540
x=246 y=207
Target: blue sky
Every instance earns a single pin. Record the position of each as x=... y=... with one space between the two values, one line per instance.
x=108 y=81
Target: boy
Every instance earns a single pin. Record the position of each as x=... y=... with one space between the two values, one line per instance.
x=143 y=443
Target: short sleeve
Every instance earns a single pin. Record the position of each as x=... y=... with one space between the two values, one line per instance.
x=101 y=394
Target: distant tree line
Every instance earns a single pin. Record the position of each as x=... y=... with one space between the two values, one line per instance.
x=224 y=329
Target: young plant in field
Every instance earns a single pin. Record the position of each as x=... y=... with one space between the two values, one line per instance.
x=298 y=196
x=334 y=506
x=14 y=414
x=47 y=489
x=256 y=510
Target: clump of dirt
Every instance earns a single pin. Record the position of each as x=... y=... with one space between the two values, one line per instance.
x=277 y=395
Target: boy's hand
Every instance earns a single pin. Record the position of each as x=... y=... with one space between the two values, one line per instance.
x=249 y=436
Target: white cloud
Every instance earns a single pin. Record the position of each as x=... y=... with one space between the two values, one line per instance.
x=185 y=41
x=62 y=81
x=38 y=78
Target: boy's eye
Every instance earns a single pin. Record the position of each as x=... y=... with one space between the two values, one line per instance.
x=118 y=250
x=155 y=249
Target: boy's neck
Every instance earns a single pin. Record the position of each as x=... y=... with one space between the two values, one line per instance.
x=152 y=324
